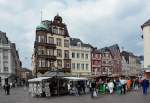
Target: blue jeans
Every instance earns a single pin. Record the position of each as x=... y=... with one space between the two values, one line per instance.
x=145 y=90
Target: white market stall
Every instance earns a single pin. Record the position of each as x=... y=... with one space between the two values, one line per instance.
x=39 y=86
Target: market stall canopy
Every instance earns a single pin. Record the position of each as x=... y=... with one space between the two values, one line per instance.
x=54 y=74
x=39 y=79
x=76 y=78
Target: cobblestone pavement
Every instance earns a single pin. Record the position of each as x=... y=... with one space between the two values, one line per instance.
x=18 y=95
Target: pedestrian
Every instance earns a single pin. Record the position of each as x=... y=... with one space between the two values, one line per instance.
x=145 y=85
x=136 y=84
x=123 y=85
x=118 y=87
x=69 y=87
x=4 y=87
x=78 y=87
x=110 y=86
x=129 y=83
x=83 y=87
x=93 y=88
x=11 y=85
x=7 y=87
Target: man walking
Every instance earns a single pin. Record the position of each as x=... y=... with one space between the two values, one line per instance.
x=7 y=89
x=93 y=88
x=145 y=85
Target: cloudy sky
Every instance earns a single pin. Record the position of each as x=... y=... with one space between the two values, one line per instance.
x=98 y=22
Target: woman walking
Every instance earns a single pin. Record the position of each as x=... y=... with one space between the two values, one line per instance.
x=111 y=86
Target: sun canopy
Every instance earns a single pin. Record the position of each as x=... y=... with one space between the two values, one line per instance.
x=76 y=78
x=39 y=79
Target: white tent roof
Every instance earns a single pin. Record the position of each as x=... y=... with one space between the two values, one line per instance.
x=76 y=78
x=38 y=79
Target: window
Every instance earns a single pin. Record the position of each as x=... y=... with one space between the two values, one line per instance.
x=50 y=52
x=41 y=51
x=109 y=62
x=95 y=62
x=61 y=31
x=50 y=64
x=82 y=55
x=58 y=42
x=42 y=63
x=59 y=53
x=78 y=55
x=54 y=30
x=73 y=65
x=5 y=63
x=79 y=44
x=82 y=66
x=73 y=55
x=5 y=69
x=50 y=40
x=87 y=66
x=66 y=54
x=66 y=43
x=104 y=62
x=5 y=52
x=59 y=63
x=86 y=56
x=78 y=66
x=68 y=65
x=41 y=39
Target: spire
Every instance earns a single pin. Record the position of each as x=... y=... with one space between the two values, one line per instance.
x=57 y=14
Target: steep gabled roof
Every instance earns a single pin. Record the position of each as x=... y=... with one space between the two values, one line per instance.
x=114 y=48
x=75 y=41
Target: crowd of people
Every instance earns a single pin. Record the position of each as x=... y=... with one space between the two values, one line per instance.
x=99 y=86
x=118 y=86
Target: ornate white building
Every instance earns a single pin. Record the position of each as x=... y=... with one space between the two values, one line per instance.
x=10 y=63
x=80 y=54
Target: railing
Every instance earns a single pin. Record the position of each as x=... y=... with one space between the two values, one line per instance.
x=44 y=44
x=47 y=56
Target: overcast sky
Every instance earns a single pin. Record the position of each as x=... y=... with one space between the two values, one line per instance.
x=98 y=22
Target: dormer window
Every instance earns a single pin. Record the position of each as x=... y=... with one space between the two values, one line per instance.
x=79 y=44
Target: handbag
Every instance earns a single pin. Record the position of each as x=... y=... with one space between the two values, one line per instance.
x=94 y=94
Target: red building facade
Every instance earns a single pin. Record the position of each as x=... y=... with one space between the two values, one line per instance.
x=111 y=60
x=107 y=61
x=96 y=62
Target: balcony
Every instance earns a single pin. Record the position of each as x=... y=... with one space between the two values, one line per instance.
x=67 y=70
x=47 y=45
x=94 y=65
x=95 y=58
x=67 y=58
x=43 y=69
x=49 y=57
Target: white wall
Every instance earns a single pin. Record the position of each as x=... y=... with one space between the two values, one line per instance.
x=81 y=71
x=146 y=34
